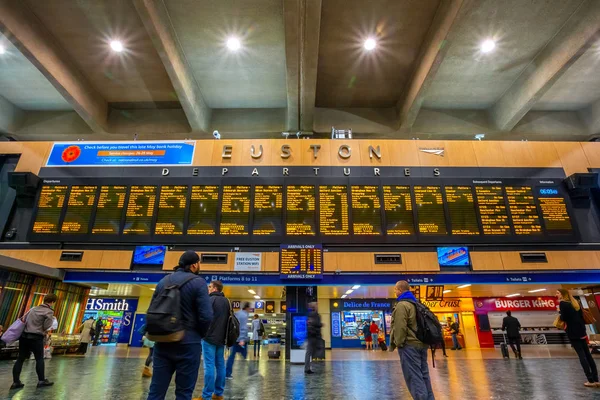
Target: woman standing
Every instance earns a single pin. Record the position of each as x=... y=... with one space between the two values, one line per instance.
x=258 y=330
x=572 y=315
x=86 y=335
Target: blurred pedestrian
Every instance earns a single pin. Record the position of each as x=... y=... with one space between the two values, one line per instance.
x=242 y=342
x=313 y=336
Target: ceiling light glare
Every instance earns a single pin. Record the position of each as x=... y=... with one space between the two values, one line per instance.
x=349 y=291
x=344 y=296
x=2 y=50
x=447 y=291
x=355 y=287
x=257 y=297
x=116 y=46
x=488 y=46
x=251 y=291
x=513 y=295
x=464 y=286
x=370 y=44
x=233 y=44
x=536 y=290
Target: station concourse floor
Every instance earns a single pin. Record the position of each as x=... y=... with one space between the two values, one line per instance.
x=547 y=373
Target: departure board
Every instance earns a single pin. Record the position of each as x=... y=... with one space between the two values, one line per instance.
x=50 y=205
x=492 y=210
x=398 y=208
x=268 y=210
x=333 y=210
x=554 y=212
x=523 y=210
x=461 y=206
x=171 y=210
x=79 y=210
x=300 y=210
x=366 y=210
x=430 y=210
x=109 y=210
x=204 y=205
x=235 y=210
x=140 y=210
x=301 y=261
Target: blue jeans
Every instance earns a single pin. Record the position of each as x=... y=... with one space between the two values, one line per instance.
x=179 y=358
x=257 y=343
x=213 y=358
x=233 y=350
x=416 y=372
x=455 y=343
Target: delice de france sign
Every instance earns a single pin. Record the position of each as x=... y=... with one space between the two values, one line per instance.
x=247 y=262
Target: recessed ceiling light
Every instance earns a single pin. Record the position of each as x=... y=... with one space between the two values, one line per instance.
x=251 y=291
x=257 y=297
x=463 y=286
x=234 y=44
x=153 y=289
x=355 y=287
x=488 y=46
x=536 y=290
x=447 y=291
x=116 y=46
x=513 y=295
x=349 y=291
x=370 y=44
x=344 y=296
x=2 y=49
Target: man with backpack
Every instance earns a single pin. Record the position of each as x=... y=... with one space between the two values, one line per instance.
x=411 y=321
x=454 y=331
x=213 y=344
x=178 y=318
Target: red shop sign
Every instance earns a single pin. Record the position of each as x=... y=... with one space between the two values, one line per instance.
x=515 y=304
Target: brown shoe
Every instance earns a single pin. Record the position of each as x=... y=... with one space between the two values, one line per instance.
x=590 y=384
x=147 y=372
x=215 y=397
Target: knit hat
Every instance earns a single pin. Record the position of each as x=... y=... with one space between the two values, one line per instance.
x=188 y=258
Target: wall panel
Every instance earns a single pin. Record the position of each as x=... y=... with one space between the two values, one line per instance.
x=460 y=153
x=572 y=157
x=488 y=154
x=403 y=153
x=486 y=261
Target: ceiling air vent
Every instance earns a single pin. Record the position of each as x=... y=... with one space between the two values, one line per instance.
x=533 y=258
x=213 y=258
x=388 y=259
x=76 y=256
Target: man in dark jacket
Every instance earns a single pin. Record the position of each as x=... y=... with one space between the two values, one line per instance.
x=37 y=323
x=98 y=329
x=213 y=344
x=512 y=326
x=313 y=336
x=183 y=357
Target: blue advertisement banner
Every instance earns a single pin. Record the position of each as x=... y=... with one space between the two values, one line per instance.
x=119 y=154
x=336 y=324
x=348 y=279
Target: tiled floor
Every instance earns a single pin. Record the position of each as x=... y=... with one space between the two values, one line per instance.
x=109 y=373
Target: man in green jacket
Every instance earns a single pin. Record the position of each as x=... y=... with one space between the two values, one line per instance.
x=412 y=352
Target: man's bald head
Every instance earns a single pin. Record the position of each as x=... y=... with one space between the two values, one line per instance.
x=402 y=286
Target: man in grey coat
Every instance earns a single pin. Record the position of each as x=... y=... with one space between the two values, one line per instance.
x=37 y=322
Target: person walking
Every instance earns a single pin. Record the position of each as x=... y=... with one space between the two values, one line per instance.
x=213 y=344
x=571 y=314
x=86 y=335
x=182 y=357
x=258 y=330
x=454 y=331
x=242 y=342
x=313 y=336
x=412 y=352
x=147 y=372
x=367 y=334
x=374 y=329
x=37 y=322
x=99 y=326
x=512 y=326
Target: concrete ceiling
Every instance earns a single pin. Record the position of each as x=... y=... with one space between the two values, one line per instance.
x=301 y=67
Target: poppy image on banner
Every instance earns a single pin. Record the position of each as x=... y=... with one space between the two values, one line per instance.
x=71 y=154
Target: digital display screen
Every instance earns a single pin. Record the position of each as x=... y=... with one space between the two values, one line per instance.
x=333 y=210
x=366 y=210
x=79 y=210
x=492 y=210
x=268 y=210
x=49 y=209
x=301 y=261
x=149 y=255
x=453 y=257
x=398 y=210
x=523 y=210
x=430 y=210
x=204 y=205
x=109 y=210
x=300 y=210
x=235 y=210
x=171 y=210
x=461 y=206
x=140 y=210
x=554 y=212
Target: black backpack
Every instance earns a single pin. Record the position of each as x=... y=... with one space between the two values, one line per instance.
x=233 y=329
x=164 y=322
x=429 y=329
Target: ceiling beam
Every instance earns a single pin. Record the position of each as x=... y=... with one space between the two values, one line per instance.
x=591 y=117
x=11 y=116
x=573 y=39
x=156 y=19
x=434 y=49
x=302 y=20
x=25 y=30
